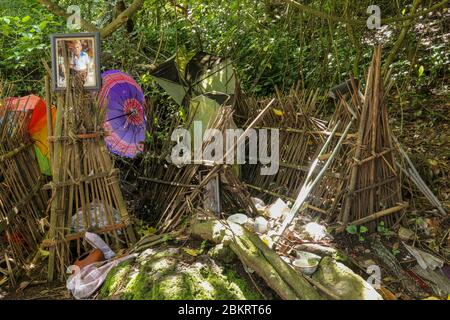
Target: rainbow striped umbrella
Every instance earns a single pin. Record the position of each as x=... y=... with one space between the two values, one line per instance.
x=125 y=119
x=37 y=126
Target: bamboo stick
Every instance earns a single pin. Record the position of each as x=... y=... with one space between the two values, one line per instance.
x=414 y=175
x=375 y=216
x=48 y=104
x=308 y=186
x=56 y=166
x=14 y=152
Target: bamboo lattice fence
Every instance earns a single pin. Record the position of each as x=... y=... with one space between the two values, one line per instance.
x=22 y=201
x=86 y=192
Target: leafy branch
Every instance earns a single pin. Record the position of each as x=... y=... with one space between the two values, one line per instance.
x=86 y=25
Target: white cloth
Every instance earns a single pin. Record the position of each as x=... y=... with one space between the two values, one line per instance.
x=83 y=283
x=98 y=217
x=98 y=243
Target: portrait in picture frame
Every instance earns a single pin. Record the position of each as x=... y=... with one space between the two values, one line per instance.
x=83 y=53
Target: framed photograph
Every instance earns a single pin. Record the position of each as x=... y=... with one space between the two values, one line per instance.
x=83 y=54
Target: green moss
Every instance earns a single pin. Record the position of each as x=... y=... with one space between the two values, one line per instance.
x=222 y=253
x=172 y=287
x=342 y=281
x=247 y=291
x=141 y=286
x=115 y=278
x=138 y=287
x=199 y=286
x=170 y=275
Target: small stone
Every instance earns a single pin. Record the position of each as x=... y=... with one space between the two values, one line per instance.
x=367 y=251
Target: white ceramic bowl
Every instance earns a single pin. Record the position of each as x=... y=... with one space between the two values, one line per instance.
x=238 y=218
x=306 y=262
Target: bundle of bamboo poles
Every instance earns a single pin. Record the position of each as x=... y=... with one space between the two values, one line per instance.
x=373 y=192
x=22 y=201
x=86 y=192
x=370 y=190
x=172 y=192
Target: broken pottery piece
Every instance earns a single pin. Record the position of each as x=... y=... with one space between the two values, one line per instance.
x=258 y=203
x=343 y=282
x=313 y=231
x=238 y=218
x=261 y=225
x=278 y=209
x=306 y=262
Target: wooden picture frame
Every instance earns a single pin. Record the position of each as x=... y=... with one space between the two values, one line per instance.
x=83 y=51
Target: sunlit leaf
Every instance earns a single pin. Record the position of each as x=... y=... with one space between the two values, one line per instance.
x=421 y=71
x=352 y=229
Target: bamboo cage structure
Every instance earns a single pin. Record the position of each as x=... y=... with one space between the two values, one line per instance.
x=86 y=191
x=300 y=132
x=361 y=183
x=175 y=192
x=22 y=201
x=371 y=189
x=374 y=183
x=325 y=198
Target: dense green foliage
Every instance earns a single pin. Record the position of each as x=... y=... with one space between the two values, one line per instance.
x=271 y=42
x=25 y=27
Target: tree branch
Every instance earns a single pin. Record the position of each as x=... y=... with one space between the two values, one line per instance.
x=107 y=30
x=57 y=10
x=401 y=38
x=121 y=18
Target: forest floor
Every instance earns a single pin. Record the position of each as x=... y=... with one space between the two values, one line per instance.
x=426 y=137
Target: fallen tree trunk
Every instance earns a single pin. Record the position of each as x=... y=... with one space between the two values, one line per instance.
x=250 y=249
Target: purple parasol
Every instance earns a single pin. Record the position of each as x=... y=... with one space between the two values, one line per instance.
x=125 y=118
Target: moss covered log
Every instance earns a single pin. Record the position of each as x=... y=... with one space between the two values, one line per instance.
x=171 y=274
x=250 y=249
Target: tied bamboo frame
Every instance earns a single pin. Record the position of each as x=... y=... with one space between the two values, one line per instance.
x=84 y=180
x=22 y=201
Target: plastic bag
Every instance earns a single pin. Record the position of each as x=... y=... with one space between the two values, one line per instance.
x=83 y=283
x=98 y=243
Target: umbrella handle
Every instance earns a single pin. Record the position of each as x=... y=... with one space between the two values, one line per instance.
x=124 y=115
